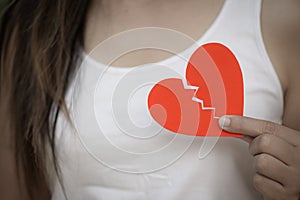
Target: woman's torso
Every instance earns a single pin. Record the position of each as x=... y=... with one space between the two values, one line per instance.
x=94 y=167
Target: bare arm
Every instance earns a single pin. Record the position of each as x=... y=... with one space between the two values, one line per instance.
x=281 y=31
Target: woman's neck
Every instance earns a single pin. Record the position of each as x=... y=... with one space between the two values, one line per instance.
x=108 y=17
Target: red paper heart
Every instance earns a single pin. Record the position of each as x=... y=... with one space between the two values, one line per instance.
x=212 y=68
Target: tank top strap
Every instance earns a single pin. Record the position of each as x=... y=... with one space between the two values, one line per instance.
x=238 y=16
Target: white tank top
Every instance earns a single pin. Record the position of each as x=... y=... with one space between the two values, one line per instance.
x=101 y=160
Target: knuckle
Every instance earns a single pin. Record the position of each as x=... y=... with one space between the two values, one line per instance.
x=268 y=127
x=264 y=142
x=262 y=162
x=258 y=182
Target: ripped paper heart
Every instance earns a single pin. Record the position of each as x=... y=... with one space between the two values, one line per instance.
x=214 y=87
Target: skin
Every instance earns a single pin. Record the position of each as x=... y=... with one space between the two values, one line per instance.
x=275 y=147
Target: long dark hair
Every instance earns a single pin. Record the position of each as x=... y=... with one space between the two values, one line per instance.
x=40 y=42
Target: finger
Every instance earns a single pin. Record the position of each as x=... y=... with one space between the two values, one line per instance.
x=267 y=187
x=255 y=127
x=271 y=168
x=272 y=145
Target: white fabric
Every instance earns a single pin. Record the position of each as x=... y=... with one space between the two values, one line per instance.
x=226 y=173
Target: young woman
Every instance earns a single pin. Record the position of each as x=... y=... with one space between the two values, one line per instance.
x=43 y=158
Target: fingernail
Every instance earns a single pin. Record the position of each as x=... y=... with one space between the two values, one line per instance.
x=224 y=122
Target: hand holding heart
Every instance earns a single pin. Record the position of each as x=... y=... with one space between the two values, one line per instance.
x=276 y=151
